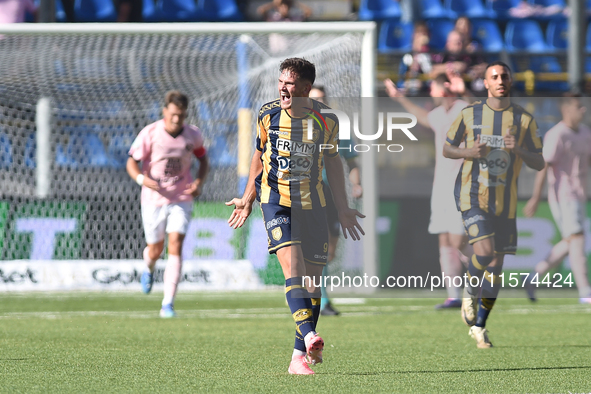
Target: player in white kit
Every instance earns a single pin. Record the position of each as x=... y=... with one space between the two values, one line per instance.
x=166 y=149
x=445 y=221
x=567 y=152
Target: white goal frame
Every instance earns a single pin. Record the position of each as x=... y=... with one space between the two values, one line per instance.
x=368 y=77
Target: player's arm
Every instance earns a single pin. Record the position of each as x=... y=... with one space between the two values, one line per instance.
x=532 y=204
x=355 y=178
x=133 y=169
x=532 y=153
x=243 y=206
x=336 y=179
x=195 y=188
x=397 y=95
x=455 y=136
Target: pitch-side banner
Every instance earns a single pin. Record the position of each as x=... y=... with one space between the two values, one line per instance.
x=123 y=275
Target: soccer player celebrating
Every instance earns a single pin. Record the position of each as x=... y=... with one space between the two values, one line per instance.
x=567 y=151
x=445 y=221
x=499 y=136
x=332 y=216
x=166 y=149
x=286 y=178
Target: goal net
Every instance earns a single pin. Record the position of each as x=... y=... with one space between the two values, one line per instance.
x=65 y=193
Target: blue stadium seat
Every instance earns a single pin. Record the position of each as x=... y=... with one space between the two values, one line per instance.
x=118 y=149
x=84 y=149
x=218 y=10
x=176 y=11
x=500 y=8
x=149 y=11
x=488 y=35
x=95 y=11
x=433 y=9
x=5 y=151
x=31 y=151
x=469 y=8
x=588 y=42
x=377 y=10
x=395 y=36
x=219 y=152
x=557 y=34
x=438 y=31
x=547 y=64
x=588 y=65
x=525 y=35
x=548 y=3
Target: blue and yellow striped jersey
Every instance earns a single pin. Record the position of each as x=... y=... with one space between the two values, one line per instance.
x=292 y=163
x=491 y=182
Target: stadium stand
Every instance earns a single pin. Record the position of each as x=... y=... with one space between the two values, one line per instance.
x=376 y=10
x=176 y=11
x=95 y=11
x=499 y=9
x=486 y=32
x=439 y=29
x=557 y=35
x=433 y=9
x=395 y=36
x=525 y=35
x=469 y=8
x=218 y=11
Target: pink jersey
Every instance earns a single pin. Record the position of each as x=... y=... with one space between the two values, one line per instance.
x=13 y=11
x=167 y=160
x=446 y=170
x=569 y=153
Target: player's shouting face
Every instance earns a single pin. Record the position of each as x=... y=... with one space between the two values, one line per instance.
x=498 y=81
x=291 y=85
x=174 y=118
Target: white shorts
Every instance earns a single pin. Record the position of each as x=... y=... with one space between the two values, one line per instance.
x=445 y=217
x=161 y=220
x=569 y=216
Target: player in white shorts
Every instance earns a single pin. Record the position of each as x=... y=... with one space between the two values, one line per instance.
x=567 y=151
x=446 y=220
x=166 y=149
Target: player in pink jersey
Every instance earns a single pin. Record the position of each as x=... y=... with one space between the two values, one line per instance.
x=567 y=151
x=445 y=221
x=166 y=149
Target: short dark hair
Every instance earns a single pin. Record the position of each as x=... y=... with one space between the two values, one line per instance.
x=569 y=97
x=303 y=68
x=177 y=98
x=498 y=63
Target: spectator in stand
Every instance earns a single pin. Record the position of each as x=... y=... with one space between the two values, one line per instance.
x=418 y=61
x=284 y=11
x=459 y=60
x=464 y=27
x=129 y=10
x=13 y=11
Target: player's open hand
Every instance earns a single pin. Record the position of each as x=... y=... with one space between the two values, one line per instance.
x=530 y=208
x=240 y=213
x=150 y=183
x=348 y=219
x=392 y=90
x=479 y=148
x=194 y=188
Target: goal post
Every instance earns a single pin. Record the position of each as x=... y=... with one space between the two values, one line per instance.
x=109 y=79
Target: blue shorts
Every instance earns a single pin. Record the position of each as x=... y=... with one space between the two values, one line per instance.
x=286 y=226
x=480 y=225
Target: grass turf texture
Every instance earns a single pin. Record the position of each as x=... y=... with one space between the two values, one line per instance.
x=93 y=342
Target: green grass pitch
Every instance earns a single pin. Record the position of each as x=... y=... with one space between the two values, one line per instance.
x=241 y=342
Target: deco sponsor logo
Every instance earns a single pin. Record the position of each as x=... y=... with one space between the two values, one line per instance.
x=278 y=221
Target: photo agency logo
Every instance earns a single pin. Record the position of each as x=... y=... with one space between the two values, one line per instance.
x=390 y=121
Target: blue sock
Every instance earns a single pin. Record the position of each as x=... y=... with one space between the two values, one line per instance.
x=300 y=306
x=476 y=268
x=490 y=291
